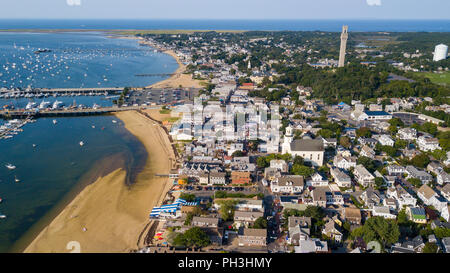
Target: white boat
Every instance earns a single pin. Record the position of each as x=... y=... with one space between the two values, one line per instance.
x=30 y=105
x=44 y=104
x=10 y=166
x=16 y=179
x=54 y=121
x=81 y=143
x=114 y=121
x=2 y=216
x=57 y=104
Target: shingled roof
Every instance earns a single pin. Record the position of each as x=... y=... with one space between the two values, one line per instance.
x=307 y=145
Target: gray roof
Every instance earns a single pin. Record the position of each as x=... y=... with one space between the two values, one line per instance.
x=296 y=180
x=255 y=232
x=307 y=145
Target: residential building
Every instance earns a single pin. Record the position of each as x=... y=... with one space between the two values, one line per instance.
x=417 y=215
x=363 y=176
x=317 y=180
x=386 y=140
x=253 y=237
x=312 y=246
x=288 y=184
x=407 y=133
x=428 y=143
x=246 y=218
x=217 y=178
x=344 y=162
x=280 y=165
x=413 y=172
x=352 y=215
x=341 y=178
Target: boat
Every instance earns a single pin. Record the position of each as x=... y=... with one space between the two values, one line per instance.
x=30 y=105
x=114 y=121
x=44 y=104
x=81 y=143
x=42 y=51
x=34 y=145
x=57 y=104
x=10 y=166
x=16 y=179
x=54 y=121
x=2 y=216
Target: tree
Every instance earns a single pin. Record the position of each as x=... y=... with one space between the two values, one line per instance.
x=429 y=127
x=193 y=237
x=379 y=182
x=345 y=142
x=260 y=223
x=299 y=160
x=367 y=162
x=363 y=132
x=421 y=160
x=416 y=182
x=302 y=170
x=237 y=154
x=261 y=162
x=430 y=248
x=227 y=208
x=378 y=229
x=188 y=197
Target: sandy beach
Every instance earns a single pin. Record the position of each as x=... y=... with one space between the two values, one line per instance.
x=108 y=216
x=178 y=79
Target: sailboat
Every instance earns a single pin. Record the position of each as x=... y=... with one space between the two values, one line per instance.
x=10 y=166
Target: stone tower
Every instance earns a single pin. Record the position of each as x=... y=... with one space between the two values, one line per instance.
x=344 y=37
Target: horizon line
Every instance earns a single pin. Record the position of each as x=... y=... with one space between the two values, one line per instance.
x=236 y=19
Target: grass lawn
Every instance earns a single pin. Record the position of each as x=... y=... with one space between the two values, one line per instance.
x=439 y=78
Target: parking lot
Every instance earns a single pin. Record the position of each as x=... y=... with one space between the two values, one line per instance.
x=161 y=96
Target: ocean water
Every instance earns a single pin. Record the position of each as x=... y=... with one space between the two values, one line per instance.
x=292 y=25
x=78 y=60
x=53 y=171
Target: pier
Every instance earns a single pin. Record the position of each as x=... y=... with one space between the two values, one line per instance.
x=66 y=91
x=22 y=114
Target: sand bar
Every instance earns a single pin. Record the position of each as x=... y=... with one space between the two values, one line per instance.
x=108 y=216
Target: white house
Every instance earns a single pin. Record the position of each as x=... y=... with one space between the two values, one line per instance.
x=407 y=133
x=363 y=176
x=428 y=143
x=383 y=211
x=402 y=197
x=317 y=180
x=341 y=178
x=386 y=140
x=280 y=165
x=344 y=162
x=288 y=184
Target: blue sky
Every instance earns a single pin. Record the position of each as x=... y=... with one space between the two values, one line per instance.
x=226 y=9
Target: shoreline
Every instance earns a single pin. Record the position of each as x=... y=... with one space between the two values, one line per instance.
x=113 y=213
x=49 y=233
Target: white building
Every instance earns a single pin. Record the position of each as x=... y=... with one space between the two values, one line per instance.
x=312 y=150
x=317 y=180
x=440 y=52
x=363 y=176
x=428 y=143
x=288 y=184
x=386 y=140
